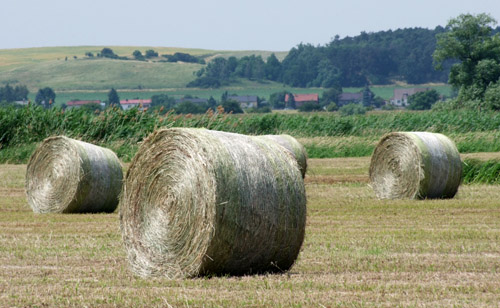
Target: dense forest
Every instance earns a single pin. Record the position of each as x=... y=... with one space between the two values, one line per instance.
x=369 y=58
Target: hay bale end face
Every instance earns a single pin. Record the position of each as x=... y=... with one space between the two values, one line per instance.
x=201 y=202
x=415 y=165
x=70 y=176
x=294 y=147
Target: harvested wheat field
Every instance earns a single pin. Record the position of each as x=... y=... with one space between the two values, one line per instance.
x=358 y=252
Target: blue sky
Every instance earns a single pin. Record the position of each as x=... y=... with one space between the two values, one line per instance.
x=275 y=25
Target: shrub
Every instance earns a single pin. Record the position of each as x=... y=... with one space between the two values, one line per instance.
x=309 y=107
x=352 y=109
x=492 y=96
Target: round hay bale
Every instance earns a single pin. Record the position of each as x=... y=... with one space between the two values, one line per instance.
x=70 y=176
x=201 y=202
x=415 y=165
x=294 y=147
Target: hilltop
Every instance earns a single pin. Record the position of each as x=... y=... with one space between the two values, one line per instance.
x=68 y=68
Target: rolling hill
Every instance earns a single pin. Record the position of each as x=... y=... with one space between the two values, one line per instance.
x=68 y=68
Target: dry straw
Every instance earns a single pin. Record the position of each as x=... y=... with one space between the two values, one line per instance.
x=201 y=202
x=415 y=165
x=70 y=176
x=294 y=147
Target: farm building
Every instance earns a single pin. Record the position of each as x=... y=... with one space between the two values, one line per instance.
x=246 y=101
x=80 y=103
x=400 y=97
x=350 y=98
x=300 y=99
x=142 y=104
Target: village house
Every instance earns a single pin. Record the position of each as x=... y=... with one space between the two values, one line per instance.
x=400 y=97
x=246 y=101
x=142 y=104
x=350 y=98
x=301 y=99
x=80 y=103
x=24 y=102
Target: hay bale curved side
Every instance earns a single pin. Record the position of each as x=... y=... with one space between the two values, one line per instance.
x=294 y=147
x=415 y=165
x=70 y=176
x=198 y=202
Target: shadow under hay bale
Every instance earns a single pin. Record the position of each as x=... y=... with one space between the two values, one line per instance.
x=70 y=176
x=201 y=202
x=415 y=165
x=294 y=147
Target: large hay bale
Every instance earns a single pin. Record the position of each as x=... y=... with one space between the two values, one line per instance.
x=70 y=176
x=294 y=147
x=201 y=202
x=415 y=165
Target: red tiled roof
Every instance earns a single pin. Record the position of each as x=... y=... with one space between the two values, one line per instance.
x=304 y=97
x=135 y=101
x=80 y=103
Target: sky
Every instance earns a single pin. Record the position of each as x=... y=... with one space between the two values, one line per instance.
x=273 y=25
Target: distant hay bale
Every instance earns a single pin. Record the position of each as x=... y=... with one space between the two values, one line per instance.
x=70 y=176
x=415 y=165
x=294 y=147
x=201 y=202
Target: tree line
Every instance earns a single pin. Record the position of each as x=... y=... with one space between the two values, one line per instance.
x=369 y=58
x=9 y=94
x=148 y=54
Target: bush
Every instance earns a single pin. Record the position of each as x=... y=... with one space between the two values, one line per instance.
x=352 y=109
x=108 y=53
x=309 y=107
x=423 y=100
x=190 y=107
x=150 y=53
x=265 y=109
x=492 y=96
x=231 y=106
x=332 y=107
x=388 y=107
x=183 y=57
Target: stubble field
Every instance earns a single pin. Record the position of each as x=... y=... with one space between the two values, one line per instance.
x=358 y=252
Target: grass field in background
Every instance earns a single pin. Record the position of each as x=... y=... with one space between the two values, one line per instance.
x=358 y=252
x=85 y=78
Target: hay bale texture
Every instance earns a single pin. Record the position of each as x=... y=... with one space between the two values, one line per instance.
x=415 y=165
x=201 y=202
x=70 y=176
x=294 y=147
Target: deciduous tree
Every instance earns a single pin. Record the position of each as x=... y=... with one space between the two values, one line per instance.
x=469 y=40
x=45 y=97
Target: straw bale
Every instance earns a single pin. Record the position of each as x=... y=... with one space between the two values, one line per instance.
x=415 y=165
x=70 y=176
x=294 y=147
x=201 y=202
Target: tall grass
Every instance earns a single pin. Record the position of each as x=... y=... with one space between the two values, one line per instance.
x=476 y=171
x=122 y=130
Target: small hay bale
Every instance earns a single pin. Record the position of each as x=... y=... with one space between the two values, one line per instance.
x=294 y=147
x=415 y=165
x=201 y=202
x=70 y=176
